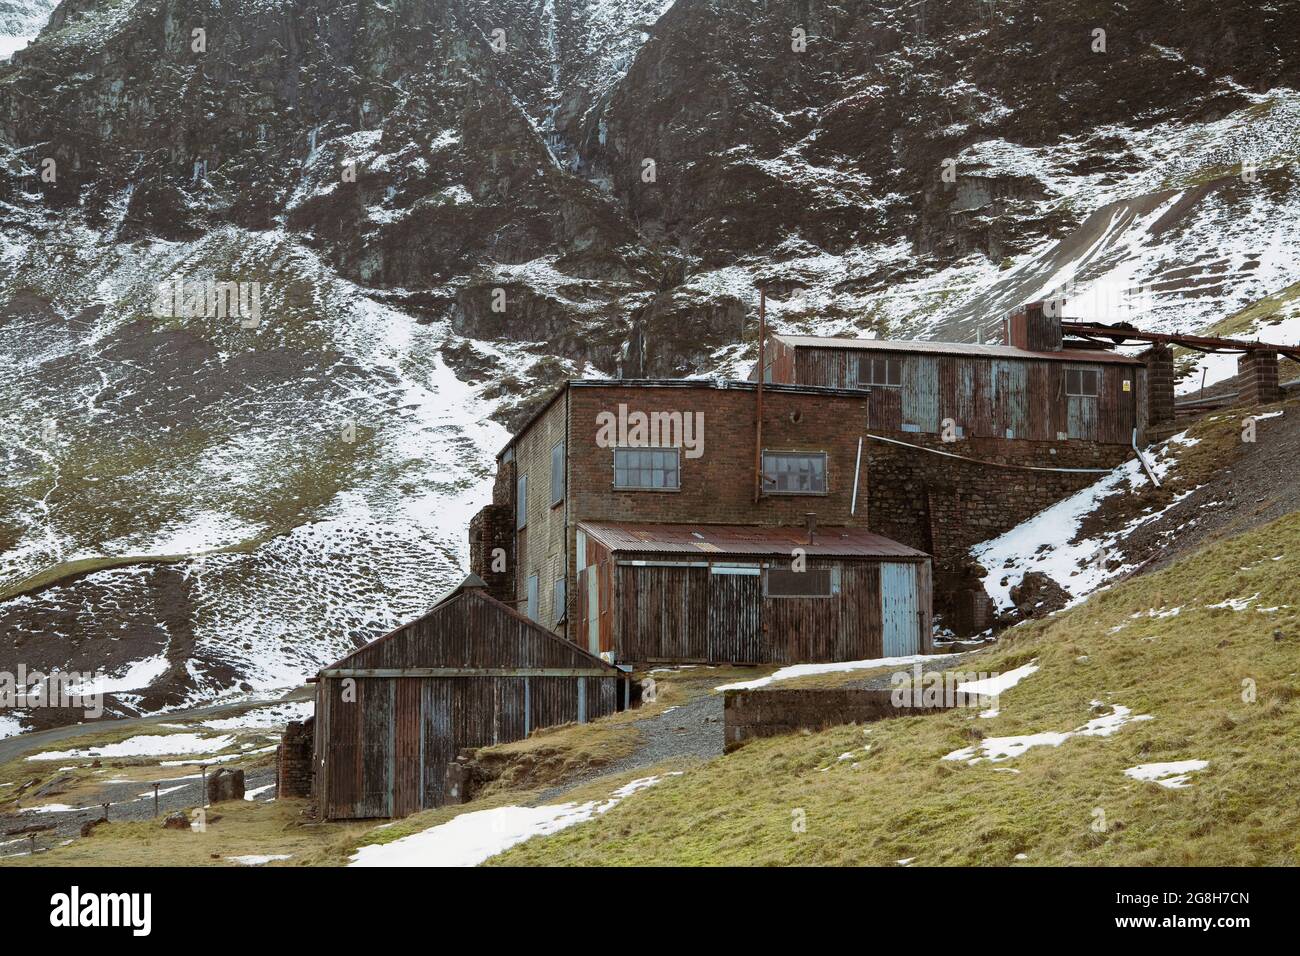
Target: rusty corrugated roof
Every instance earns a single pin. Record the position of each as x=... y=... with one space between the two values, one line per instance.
x=955 y=348
x=735 y=539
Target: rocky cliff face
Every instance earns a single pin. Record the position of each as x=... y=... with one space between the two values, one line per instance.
x=449 y=205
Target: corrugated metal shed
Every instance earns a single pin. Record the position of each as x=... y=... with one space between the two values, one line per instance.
x=954 y=348
x=726 y=594
x=718 y=540
x=472 y=672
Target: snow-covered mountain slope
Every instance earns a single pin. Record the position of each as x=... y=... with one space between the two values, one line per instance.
x=20 y=21
x=449 y=205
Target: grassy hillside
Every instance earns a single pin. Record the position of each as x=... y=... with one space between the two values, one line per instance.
x=1153 y=644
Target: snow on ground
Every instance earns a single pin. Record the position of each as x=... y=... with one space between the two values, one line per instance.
x=994 y=686
x=136 y=676
x=1175 y=774
x=10 y=725
x=471 y=838
x=260 y=718
x=1049 y=543
x=1004 y=748
x=256 y=791
x=256 y=860
x=147 y=745
x=804 y=670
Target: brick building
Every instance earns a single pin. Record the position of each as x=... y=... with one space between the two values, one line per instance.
x=667 y=458
x=969 y=440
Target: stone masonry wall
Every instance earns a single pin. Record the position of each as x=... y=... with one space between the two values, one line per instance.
x=1257 y=379
x=293 y=763
x=492 y=528
x=748 y=714
x=1159 y=361
x=944 y=505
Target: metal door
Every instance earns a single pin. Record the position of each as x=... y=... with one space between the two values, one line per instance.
x=898 y=617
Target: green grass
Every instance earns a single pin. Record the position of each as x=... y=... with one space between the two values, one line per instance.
x=1189 y=671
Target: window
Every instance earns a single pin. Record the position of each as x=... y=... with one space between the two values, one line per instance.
x=531 y=610
x=1081 y=382
x=521 y=503
x=559 y=600
x=886 y=372
x=813 y=582
x=655 y=469
x=557 y=473
x=794 y=473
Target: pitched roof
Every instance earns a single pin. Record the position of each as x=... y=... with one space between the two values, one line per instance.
x=955 y=348
x=706 y=540
x=451 y=634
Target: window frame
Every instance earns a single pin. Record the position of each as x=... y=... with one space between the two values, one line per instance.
x=1080 y=374
x=521 y=502
x=677 y=456
x=832 y=583
x=785 y=453
x=892 y=363
x=532 y=598
x=558 y=499
x=560 y=599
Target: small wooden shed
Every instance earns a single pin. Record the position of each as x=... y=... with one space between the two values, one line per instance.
x=744 y=594
x=471 y=672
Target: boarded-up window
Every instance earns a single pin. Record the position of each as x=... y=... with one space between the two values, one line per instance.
x=1081 y=382
x=531 y=609
x=794 y=473
x=521 y=503
x=886 y=372
x=557 y=473
x=813 y=582
x=647 y=468
x=559 y=599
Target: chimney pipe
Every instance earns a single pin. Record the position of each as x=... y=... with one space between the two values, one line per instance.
x=811 y=518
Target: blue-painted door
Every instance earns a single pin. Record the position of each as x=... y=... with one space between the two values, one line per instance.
x=898 y=609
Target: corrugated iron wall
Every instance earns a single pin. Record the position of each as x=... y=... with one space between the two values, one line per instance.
x=386 y=729
x=385 y=753
x=688 y=612
x=986 y=397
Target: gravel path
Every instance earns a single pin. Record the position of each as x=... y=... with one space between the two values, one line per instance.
x=693 y=729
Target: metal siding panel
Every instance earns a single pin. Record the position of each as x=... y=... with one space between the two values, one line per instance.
x=921 y=392
x=1081 y=417
x=898 y=604
x=735 y=634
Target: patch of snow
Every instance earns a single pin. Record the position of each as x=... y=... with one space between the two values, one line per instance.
x=994 y=686
x=1049 y=542
x=258 y=860
x=1004 y=748
x=147 y=745
x=471 y=838
x=804 y=670
x=276 y=715
x=1173 y=774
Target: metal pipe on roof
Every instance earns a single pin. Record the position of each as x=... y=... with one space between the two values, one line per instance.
x=857 y=471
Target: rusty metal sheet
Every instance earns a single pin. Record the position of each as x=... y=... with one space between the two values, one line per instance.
x=735 y=540
x=812 y=343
